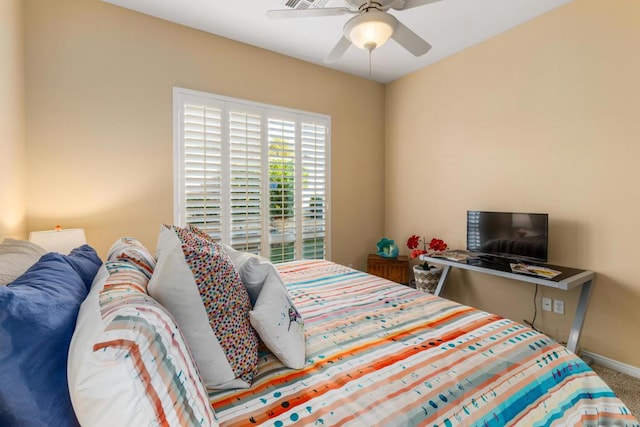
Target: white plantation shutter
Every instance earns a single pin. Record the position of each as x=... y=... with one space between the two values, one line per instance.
x=282 y=187
x=245 y=180
x=201 y=167
x=314 y=188
x=252 y=175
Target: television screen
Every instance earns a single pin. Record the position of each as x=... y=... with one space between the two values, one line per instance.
x=520 y=236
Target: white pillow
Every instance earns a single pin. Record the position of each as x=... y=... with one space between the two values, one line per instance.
x=197 y=282
x=237 y=257
x=253 y=273
x=274 y=316
x=278 y=322
x=129 y=364
x=16 y=256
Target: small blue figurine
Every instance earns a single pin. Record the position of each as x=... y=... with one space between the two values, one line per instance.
x=387 y=248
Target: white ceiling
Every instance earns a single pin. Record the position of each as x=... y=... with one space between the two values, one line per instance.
x=448 y=25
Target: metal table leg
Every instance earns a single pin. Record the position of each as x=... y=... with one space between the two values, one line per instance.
x=443 y=279
x=578 y=319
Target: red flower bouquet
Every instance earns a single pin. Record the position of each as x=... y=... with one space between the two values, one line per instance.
x=435 y=246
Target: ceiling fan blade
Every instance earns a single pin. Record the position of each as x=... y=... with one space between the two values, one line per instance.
x=409 y=4
x=338 y=51
x=410 y=40
x=304 y=13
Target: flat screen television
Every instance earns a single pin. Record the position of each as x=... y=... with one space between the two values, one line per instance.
x=508 y=235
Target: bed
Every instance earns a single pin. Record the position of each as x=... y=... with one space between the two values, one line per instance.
x=380 y=353
x=328 y=345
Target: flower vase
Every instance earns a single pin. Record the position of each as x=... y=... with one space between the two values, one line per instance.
x=426 y=280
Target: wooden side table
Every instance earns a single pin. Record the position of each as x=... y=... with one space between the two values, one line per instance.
x=394 y=269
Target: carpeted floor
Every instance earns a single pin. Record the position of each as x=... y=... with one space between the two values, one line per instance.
x=625 y=386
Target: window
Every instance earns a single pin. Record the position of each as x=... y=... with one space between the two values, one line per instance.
x=254 y=176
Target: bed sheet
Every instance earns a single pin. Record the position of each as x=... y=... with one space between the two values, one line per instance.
x=380 y=353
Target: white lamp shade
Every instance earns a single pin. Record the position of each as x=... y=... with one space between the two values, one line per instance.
x=60 y=240
x=371 y=29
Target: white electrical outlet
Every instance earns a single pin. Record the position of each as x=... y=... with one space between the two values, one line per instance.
x=546 y=304
x=558 y=306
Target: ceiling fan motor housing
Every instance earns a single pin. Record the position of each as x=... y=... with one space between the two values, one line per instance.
x=377 y=4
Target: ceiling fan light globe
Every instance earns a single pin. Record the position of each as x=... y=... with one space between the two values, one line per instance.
x=373 y=27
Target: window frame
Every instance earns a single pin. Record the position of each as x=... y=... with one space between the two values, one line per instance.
x=183 y=95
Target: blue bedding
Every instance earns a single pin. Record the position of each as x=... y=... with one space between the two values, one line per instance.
x=37 y=317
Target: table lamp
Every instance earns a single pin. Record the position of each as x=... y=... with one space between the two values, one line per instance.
x=59 y=240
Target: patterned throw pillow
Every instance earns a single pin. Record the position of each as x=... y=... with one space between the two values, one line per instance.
x=130 y=250
x=197 y=282
x=129 y=363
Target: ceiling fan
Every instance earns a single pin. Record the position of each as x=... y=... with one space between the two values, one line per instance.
x=370 y=28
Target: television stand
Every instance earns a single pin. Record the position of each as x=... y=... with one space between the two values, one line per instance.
x=569 y=279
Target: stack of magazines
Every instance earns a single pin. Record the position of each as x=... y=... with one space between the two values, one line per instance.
x=534 y=270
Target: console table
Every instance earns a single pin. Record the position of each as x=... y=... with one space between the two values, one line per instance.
x=569 y=279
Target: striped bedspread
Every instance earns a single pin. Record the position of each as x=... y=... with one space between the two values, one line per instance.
x=379 y=353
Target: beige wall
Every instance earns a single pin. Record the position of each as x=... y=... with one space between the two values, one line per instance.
x=99 y=120
x=12 y=121
x=542 y=118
